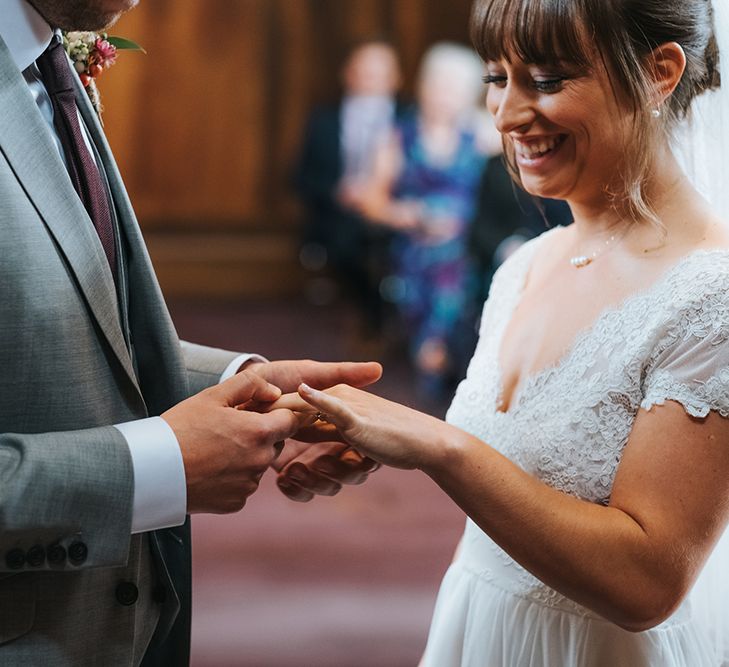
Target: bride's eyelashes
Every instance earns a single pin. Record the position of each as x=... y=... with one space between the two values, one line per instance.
x=495 y=80
x=551 y=84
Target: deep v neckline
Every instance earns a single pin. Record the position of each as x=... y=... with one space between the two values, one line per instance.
x=530 y=380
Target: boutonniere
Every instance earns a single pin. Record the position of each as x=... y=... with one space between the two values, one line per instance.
x=91 y=53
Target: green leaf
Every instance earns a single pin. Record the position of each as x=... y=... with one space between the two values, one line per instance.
x=124 y=44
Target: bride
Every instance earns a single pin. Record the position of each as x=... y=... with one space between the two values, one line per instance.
x=589 y=443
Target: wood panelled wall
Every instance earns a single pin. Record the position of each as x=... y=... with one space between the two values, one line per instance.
x=206 y=125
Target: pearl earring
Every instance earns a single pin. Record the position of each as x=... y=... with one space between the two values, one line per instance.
x=656 y=113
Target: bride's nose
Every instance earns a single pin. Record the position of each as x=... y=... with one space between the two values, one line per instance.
x=512 y=108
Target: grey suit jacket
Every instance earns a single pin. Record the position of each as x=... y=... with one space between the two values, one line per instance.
x=75 y=587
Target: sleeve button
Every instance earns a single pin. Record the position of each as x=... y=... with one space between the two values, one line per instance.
x=56 y=554
x=126 y=593
x=15 y=559
x=77 y=553
x=36 y=556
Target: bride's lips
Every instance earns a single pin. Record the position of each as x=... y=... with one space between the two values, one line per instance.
x=534 y=152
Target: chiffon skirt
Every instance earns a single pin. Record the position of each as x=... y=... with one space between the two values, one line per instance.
x=491 y=613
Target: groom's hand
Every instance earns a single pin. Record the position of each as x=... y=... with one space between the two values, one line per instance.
x=288 y=375
x=307 y=470
x=226 y=450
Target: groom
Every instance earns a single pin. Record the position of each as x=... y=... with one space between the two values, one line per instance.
x=111 y=430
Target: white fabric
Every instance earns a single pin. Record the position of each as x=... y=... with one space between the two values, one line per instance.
x=365 y=119
x=702 y=145
x=24 y=31
x=160 y=488
x=567 y=427
x=234 y=366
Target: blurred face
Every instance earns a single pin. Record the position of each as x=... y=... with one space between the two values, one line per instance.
x=445 y=94
x=372 y=70
x=565 y=129
x=82 y=14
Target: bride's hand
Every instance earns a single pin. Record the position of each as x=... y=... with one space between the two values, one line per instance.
x=387 y=432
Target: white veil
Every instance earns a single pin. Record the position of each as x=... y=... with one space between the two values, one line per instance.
x=703 y=150
x=702 y=145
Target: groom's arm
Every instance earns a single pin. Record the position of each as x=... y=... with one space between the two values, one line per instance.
x=66 y=501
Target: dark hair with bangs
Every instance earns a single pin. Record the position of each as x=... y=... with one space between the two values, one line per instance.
x=623 y=33
x=535 y=31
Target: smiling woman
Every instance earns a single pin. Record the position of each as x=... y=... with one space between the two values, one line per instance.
x=570 y=40
x=588 y=443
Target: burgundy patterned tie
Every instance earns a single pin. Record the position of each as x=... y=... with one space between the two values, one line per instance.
x=59 y=83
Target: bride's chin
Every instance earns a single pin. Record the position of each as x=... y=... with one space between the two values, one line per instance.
x=545 y=188
x=541 y=190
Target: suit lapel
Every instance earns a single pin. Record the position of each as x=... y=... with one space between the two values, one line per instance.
x=30 y=150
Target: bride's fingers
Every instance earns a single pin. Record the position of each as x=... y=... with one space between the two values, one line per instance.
x=333 y=409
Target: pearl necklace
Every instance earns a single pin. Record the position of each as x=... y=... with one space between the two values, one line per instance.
x=581 y=261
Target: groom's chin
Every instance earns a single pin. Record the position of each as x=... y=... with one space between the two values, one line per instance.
x=91 y=15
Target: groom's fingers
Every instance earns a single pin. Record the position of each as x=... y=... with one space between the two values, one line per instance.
x=298 y=474
x=349 y=468
x=288 y=375
x=294 y=491
x=245 y=387
x=356 y=374
x=321 y=470
x=287 y=402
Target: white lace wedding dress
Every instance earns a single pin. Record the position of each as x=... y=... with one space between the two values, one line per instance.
x=568 y=426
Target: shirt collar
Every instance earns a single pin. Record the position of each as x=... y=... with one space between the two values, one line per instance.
x=25 y=32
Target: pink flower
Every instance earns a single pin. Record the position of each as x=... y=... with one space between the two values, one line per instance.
x=105 y=53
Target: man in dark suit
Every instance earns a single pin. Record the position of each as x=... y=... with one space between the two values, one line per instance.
x=334 y=165
x=112 y=431
x=507 y=216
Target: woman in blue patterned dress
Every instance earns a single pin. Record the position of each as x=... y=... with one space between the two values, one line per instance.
x=426 y=183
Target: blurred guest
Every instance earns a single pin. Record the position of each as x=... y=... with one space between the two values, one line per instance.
x=506 y=217
x=425 y=185
x=335 y=161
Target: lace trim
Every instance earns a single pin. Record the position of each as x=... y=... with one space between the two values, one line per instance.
x=537 y=592
x=697 y=400
x=568 y=425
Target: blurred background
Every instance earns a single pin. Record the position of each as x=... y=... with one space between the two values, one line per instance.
x=207 y=126
x=265 y=241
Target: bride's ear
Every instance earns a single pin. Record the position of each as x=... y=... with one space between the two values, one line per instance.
x=666 y=66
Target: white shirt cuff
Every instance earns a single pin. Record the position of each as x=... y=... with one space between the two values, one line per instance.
x=160 y=488
x=232 y=368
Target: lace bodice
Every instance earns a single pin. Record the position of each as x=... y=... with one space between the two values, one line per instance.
x=569 y=423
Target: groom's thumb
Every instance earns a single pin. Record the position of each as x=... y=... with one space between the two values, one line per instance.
x=247 y=386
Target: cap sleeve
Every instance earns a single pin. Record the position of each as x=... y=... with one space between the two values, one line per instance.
x=690 y=365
